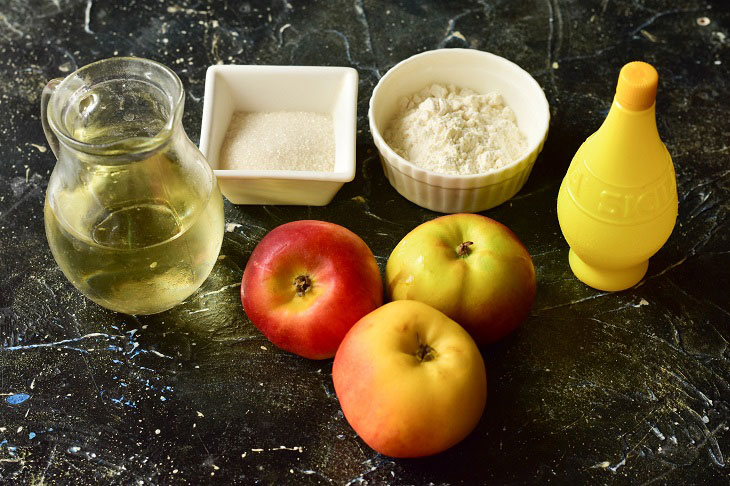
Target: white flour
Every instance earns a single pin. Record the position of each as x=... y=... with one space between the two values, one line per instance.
x=454 y=130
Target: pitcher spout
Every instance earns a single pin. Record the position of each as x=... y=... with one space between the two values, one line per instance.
x=122 y=106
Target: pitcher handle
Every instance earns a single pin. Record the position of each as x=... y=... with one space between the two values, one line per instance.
x=45 y=97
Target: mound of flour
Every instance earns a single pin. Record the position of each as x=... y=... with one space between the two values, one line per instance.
x=454 y=130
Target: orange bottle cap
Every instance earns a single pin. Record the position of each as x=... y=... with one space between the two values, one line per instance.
x=637 y=83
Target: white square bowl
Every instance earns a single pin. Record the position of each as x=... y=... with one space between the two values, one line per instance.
x=321 y=89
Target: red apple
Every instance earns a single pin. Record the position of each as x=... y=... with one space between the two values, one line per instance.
x=307 y=283
x=410 y=381
x=471 y=268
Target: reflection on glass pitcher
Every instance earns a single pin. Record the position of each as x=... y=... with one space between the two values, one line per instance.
x=133 y=214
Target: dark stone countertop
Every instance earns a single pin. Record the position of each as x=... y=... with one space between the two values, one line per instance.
x=595 y=387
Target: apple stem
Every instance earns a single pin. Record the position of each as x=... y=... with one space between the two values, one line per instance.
x=303 y=283
x=463 y=249
x=425 y=352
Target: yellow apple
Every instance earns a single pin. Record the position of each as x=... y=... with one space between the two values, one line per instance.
x=471 y=268
x=411 y=382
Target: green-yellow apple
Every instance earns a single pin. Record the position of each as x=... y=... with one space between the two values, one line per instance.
x=307 y=283
x=471 y=268
x=411 y=382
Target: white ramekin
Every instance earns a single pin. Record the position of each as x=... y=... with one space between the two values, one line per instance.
x=482 y=72
x=252 y=88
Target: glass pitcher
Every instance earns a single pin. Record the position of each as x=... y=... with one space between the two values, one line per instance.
x=133 y=214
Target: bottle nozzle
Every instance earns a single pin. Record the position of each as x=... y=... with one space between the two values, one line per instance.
x=637 y=84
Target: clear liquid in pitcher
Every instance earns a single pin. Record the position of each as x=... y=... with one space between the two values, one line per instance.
x=141 y=256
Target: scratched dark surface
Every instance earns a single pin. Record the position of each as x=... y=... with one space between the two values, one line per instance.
x=630 y=387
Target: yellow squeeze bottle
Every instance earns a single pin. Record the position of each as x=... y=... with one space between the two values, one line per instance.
x=617 y=204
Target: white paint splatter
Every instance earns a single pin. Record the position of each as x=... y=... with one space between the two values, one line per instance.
x=61 y=343
x=87 y=17
x=284 y=448
x=237 y=284
x=10 y=26
x=642 y=302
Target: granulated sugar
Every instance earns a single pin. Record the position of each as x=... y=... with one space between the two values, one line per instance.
x=279 y=140
x=454 y=130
